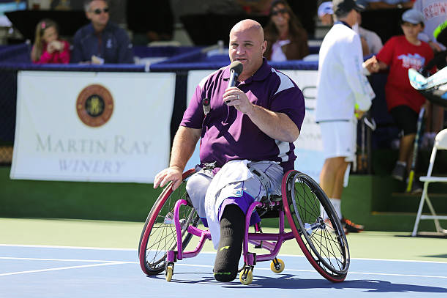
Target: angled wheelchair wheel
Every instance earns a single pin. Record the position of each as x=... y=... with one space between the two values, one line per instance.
x=323 y=242
x=159 y=234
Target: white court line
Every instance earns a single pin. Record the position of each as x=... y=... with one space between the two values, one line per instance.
x=204 y=252
x=68 y=247
x=396 y=274
x=65 y=260
x=61 y=268
x=105 y=263
x=204 y=266
x=349 y=272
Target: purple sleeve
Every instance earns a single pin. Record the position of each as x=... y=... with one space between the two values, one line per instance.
x=193 y=116
x=291 y=103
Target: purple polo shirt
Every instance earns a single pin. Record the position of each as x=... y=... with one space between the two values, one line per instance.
x=228 y=134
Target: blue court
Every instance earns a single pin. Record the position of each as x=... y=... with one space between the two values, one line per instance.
x=44 y=271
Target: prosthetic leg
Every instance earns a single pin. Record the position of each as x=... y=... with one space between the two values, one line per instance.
x=232 y=227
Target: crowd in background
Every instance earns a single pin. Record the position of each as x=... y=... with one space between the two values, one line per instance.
x=287 y=32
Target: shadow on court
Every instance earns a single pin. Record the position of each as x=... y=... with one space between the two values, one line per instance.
x=292 y=282
x=288 y=281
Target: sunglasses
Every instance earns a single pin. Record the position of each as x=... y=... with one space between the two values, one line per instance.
x=99 y=10
x=279 y=11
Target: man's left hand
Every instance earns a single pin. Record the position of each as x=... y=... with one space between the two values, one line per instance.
x=235 y=97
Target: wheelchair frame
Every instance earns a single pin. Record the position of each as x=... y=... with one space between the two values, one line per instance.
x=307 y=226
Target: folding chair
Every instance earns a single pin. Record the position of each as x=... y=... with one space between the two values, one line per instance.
x=440 y=144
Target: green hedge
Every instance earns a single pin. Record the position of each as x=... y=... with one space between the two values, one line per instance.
x=375 y=201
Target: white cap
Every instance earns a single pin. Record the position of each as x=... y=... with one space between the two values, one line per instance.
x=413 y=16
x=325 y=8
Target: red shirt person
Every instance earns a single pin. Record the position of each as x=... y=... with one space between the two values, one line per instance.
x=399 y=54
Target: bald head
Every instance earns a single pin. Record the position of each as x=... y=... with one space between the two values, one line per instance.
x=247 y=45
x=250 y=26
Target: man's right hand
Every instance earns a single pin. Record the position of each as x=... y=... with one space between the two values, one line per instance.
x=173 y=174
x=359 y=114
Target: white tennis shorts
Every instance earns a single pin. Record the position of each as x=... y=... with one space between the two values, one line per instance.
x=339 y=139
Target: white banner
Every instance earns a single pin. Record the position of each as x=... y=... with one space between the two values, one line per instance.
x=82 y=126
x=309 y=147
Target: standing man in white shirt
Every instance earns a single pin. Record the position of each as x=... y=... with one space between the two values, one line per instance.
x=343 y=93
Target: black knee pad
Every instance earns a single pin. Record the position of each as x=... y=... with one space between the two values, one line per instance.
x=232 y=229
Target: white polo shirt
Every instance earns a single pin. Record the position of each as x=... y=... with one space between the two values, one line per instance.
x=341 y=83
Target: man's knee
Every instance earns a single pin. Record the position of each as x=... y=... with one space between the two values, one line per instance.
x=335 y=164
x=196 y=187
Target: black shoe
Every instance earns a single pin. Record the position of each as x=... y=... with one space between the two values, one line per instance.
x=351 y=227
x=417 y=186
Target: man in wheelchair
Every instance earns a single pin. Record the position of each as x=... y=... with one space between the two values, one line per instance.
x=246 y=131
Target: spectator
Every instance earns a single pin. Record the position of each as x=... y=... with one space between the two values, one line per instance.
x=440 y=35
x=305 y=11
x=101 y=41
x=250 y=126
x=325 y=13
x=286 y=38
x=341 y=87
x=404 y=103
x=48 y=48
x=435 y=13
x=385 y=4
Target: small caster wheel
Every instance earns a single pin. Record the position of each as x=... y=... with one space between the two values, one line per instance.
x=169 y=272
x=246 y=276
x=277 y=265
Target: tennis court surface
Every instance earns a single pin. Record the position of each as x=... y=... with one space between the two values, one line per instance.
x=67 y=266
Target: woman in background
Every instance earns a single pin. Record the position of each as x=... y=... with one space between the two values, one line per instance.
x=286 y=37
x=48 y=48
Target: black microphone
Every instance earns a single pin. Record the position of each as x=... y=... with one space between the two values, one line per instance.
x=236 y=68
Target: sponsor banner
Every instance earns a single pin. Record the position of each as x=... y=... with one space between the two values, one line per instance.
x=309 y=147
x=82 y=126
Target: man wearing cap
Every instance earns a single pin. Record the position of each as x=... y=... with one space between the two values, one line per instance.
x=399 y=54
x=371 y=42
x=100 y=41
x=343 y=92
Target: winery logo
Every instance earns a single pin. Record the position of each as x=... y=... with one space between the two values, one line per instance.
x=94 y=105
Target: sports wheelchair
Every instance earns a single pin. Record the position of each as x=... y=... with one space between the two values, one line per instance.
x=172 y=222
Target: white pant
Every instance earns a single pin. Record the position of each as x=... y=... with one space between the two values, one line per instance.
x=198 y=184
x=339 y=138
